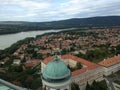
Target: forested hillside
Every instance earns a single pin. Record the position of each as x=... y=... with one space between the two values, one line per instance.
x=7 y=27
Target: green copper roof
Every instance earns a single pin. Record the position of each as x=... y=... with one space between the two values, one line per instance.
x=56 y=69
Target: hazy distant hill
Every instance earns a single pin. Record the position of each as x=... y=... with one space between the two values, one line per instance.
x=18 y=26
x=90 y=22
x=12 y=22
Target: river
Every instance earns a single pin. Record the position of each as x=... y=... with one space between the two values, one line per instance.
x=9 y=39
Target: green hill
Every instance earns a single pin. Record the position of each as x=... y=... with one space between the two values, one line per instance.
x=7 y=27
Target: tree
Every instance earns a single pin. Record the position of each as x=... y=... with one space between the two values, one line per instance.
x=64 y=51
x=97 y=54
x=74 y=86
x=23 y=60
x=95 y=86
x=39 y=56
x=9 y=62
x=78 y=65
x=28 y=81
x=88 y=87
x=14 y=68
x=36 y=84
x=118 y=49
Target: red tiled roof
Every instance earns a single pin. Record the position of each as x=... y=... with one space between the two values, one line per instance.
x=47 y=60
x=110 y=61
x=83 y=61
x=79 y=71
x=31 y=63
x=89 y=65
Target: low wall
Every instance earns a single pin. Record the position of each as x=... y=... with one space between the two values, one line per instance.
x=12 y=86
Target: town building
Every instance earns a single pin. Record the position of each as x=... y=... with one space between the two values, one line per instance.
x=111 y=65
x=31 y=63
x=16 y=62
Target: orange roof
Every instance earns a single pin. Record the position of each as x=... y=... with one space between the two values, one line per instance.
x=83 y=61
x=31 y=63
x=79 y=71
x=89 y=65
x=47 y=60
x=110 y=61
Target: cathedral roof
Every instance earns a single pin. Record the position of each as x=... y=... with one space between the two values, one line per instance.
x=55 y=70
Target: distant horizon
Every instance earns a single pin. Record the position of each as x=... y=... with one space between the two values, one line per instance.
x=54 y=10
x=65 y=19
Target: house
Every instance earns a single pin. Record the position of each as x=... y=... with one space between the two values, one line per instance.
x=16 y=62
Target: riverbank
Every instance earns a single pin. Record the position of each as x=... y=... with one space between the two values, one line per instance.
x=9 y=39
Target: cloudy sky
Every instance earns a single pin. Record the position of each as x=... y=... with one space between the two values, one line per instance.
x=48 y=10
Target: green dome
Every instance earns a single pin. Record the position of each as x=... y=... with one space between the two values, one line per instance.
x=56 y=70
